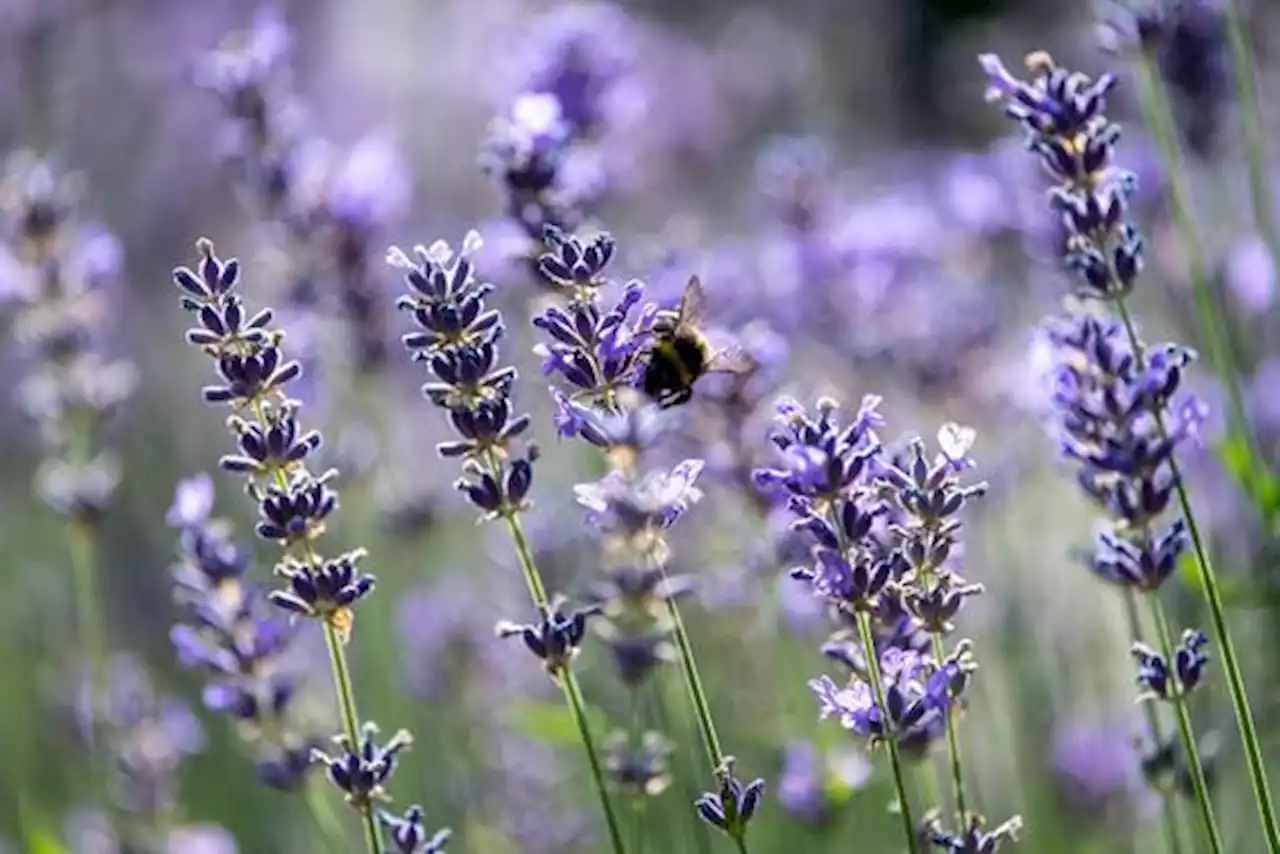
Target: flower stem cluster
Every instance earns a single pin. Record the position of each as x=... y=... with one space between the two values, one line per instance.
x=457 y=337
x=294 y=504
x=323 y=212
x=541 y=153
x=1114 y=396
x=885 y=535
x=596 y=358
x=228 y=633
x=58 y=301
x=151 y=735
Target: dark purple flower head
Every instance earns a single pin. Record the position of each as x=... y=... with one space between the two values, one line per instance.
x=1108 y=411
x=409 y=835
x=228 y=633
x=917 y=694
x=556 y=638
x=457 y=338
x=973 y=838
x=821 y=458
x=1062 y=113
x=639 y=766
x=734 y=805
x=595 y=349
x=1162 y=679
x=361 y=771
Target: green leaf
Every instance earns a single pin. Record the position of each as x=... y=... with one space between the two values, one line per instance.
x=41 y=841
x=552 y=723
x=1252 y=475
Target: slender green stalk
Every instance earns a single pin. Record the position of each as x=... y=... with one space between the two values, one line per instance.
x=1189 y=745
x=953 y=745
x=1222 y=634
x=350 y=723
x=92 y=640
x=331 y=830
x=1260 y=190
x=877 y=687
x=701 y=832
x=342 y=685
x=1168 y=808
x=895 y=757
x=693 y=684
x=953 y=740
x=697 y=694
x=568 y=680
x=1211 y=315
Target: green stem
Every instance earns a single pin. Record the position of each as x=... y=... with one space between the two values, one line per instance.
x=1222 y=635
x=697 y=693
x=1251 y=126
x=877 y=687
x=342 y=685
x=1212 y=318
x=321 y=810
x=1168 y=807
x=568 y=680
x=92 y=642
x=350 y=723
x=693 y=684
x=895 y=757
x=953 y=743
x=1188 y=734
x=701 y=832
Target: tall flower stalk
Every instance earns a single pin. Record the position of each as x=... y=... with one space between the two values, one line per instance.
x=1260 y=187
x=595 y=351
x=884 y=533
x=1119 y=394
x=457 y=336
x=294 y=506
x=58 y=302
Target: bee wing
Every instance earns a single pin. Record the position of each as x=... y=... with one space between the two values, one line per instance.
x=731 y=360
x=693 y=302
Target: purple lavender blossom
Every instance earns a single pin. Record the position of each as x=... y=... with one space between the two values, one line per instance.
x=325 y=209
x=812 y=784
x=56 y=303
x=1099 y=768
x=230 y=635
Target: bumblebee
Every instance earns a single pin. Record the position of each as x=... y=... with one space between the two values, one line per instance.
x=680 y=353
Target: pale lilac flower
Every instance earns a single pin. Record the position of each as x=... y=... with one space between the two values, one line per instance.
x=1250 y=274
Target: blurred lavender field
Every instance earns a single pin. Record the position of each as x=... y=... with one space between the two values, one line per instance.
x=961 y=557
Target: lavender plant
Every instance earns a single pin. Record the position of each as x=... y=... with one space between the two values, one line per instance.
x=230 y=634
x=1178 y=49
x=56 y=296
x=458 y=338
x=321 y=210
x=885 y=534
x=1116 y=395
x=294 y=506
x=544 y=153
x=151 y=734
x=597 y=357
